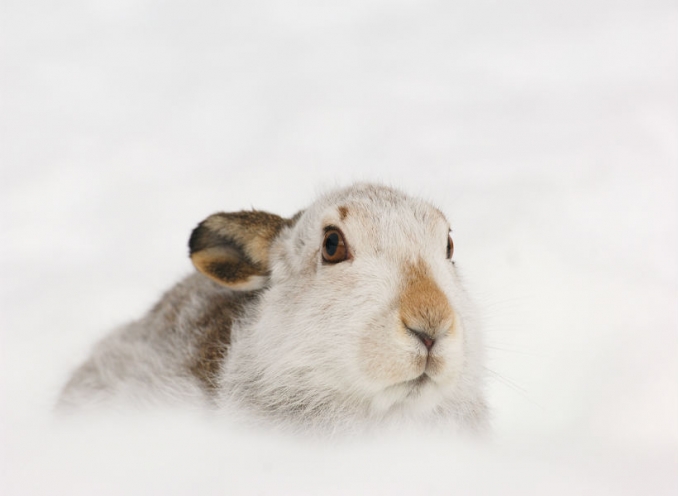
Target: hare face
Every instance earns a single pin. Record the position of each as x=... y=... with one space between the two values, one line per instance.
x=382 y=323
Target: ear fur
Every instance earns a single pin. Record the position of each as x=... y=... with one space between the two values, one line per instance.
x=232 y=248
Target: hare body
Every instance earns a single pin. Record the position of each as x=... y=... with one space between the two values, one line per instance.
x=350 y=314
x=171 y=355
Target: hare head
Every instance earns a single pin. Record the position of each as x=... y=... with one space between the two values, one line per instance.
x=360 y=314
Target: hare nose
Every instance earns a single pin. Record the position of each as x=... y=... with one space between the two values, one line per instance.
x=424 y=338
x=424 y=307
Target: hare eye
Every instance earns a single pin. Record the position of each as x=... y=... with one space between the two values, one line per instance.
x=450 y=246
x=334 y=247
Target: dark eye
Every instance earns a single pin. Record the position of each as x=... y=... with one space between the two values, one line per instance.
x=450 y=246
x=334 y=247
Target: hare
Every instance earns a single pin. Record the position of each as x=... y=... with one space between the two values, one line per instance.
x=351 y=313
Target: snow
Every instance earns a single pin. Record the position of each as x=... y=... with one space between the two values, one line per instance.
x=548 y=131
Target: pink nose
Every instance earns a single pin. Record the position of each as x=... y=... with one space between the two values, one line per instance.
x=424 y=338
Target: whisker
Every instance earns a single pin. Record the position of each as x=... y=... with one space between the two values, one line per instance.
x=514 y=386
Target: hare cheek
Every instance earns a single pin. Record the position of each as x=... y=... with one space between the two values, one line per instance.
x=447 y=363
x=387 y=361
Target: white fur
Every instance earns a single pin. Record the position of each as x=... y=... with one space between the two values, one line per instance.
x=323 y=346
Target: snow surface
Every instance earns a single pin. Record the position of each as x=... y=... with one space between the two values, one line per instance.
x=548 y=131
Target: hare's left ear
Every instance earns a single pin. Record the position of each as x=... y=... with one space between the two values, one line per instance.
x=233 y=248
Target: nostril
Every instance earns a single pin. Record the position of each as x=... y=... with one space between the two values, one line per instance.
x=428 y=342
x=424 y=338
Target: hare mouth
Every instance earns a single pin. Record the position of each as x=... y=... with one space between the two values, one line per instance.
x=413 y=387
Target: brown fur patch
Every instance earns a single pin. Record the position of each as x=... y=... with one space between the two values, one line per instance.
x=252 y=231
x=202 y=337
x=343 y=212
x=224 y=265
x=232 y=247
x=423 y=305
x=214 y=337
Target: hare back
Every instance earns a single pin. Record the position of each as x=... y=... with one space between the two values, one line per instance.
x=175 y=352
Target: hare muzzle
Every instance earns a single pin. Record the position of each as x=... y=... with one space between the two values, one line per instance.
x=424 y=309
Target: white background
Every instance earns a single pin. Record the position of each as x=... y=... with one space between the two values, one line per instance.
x=548 y=132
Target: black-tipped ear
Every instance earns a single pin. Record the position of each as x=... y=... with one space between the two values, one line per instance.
x=232 y=248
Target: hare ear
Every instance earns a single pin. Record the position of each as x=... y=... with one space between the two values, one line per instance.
x=232 y=248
